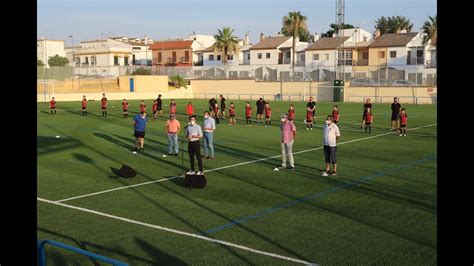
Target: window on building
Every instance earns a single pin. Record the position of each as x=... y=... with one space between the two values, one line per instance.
x=381 y=54
x=365 y=55
x=230 y=57
x=302 y=57
x=211 y=57
x=259 y=55
x=92 y=60
x=116 y=60
x=160 y=57
x=174 y=57
x=316 y=57
x=288 y=55
x=248 y=56
x=268 y=56
x=326 y=56
x=393 y=54
x=218 y=57
x=126 y=61
x=87 y=60
x=186 y=56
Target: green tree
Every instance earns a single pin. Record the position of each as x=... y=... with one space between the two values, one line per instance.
x=393 y=24
x=179 y=81
x=333 y=28
x=39 y=62
x=58 y=61
x=292 y=24
x=226 y=43
x=304 y=34
x=430 y=30
x=141 y=71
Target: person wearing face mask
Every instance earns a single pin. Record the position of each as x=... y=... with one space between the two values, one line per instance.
x=209 y=127
x=194 y=134
x=172 y=130
x=288 y=134
x=331 y=135
x=139 y=124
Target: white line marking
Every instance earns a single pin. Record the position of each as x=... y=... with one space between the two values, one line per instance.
x=225 y=243
x=239 y=164
x=119 y=188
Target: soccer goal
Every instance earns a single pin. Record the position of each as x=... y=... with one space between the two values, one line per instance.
x=45 y=87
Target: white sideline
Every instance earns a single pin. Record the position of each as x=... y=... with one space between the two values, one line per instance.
x=225 y=243
x=237 y=164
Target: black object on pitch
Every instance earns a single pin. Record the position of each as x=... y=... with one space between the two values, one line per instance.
x=195 y=181
x=127 y=172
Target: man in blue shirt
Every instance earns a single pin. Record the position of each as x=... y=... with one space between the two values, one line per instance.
x=139 y=124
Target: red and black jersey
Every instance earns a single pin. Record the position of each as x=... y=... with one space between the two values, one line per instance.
x=231 y=110
x=52 y=104
x=216 y=110
x=291 y=114
x=248 y=111
x=155 y=107
x=309 y=116
x=268 y=111
x=368 y=117
x=84 y=103
x=403 y=119
x=104 y=102
x=124 y=105
x=142 y=108
x=335 y=114
x=173 y=108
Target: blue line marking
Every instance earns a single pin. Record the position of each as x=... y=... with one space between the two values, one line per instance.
x=319 y=194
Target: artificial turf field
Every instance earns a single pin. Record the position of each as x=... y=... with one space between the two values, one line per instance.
x=381 y=208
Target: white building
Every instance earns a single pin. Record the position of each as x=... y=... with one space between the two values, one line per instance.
x=200 y=43
x=49 y=48
x=213 y=58
x=271 y=51
x=141 y=53
x=103 y=53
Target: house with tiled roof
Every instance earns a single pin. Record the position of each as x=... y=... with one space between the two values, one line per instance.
x=271 y=51
x=212 y=57
x=141 y=53
x=172 y=53
x=103 y=53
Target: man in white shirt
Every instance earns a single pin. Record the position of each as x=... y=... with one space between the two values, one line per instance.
x=331 y=135
x=209 y=127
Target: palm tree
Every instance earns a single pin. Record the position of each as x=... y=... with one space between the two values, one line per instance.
x=293 y=24
x=226 y=43
x=430 y=30
x=393 y=24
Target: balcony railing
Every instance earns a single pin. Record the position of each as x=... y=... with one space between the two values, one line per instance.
x=362 y=62
x=415 y=60
x=430 y=63
x=345 y=62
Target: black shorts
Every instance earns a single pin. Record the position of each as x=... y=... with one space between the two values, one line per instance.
x=368 y=123
x=267 y=116
x=395 y=116
x=125 y=110
x=52 y=108
x=233 y=115
x=330 y=154
x=83 y=108
x=403 y=126
x=104 y=108
x=159 y=108
x=248 y=117
x=259 y=112
x=139 y=134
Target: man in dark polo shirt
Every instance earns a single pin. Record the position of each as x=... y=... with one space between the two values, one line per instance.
x=395 y=114
x=159 y=105
x=260 y=108
x=223 y=107
x=312 y=105
x=139 y=124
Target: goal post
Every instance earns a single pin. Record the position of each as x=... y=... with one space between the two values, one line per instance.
x=45 y=87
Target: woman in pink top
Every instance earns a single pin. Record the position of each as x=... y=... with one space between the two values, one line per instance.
x=288 y=133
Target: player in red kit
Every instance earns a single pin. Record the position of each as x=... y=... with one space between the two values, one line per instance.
x=216 y=112
x=103 y=103
x=291 y=113
x=173 y=107
x=125 y=108
x=369 y=118
x=248 y=114
x=84 y=106
x=154 y=108
x=403 y=122
x=232 y=114
x=309 y=118
x=189 y=109
x=52 y=106
x=268 y=115
x=335 y=114
x=142 y=107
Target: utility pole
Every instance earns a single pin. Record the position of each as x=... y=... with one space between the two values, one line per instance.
x=340 y=13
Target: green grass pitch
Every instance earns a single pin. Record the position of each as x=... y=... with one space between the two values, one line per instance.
x=381 y=208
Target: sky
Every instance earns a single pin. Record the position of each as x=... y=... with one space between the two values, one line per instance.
x=93 y=19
